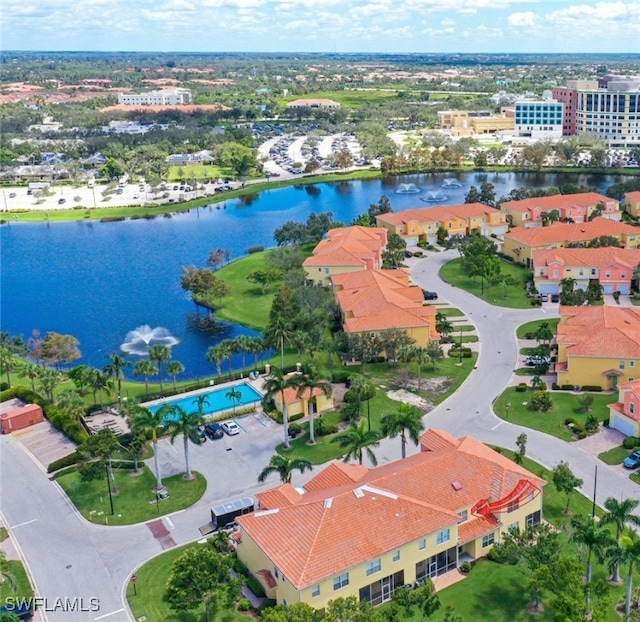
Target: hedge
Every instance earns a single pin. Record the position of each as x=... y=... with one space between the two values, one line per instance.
x=66 y=461
x=631 y=442
x=341 y=375
x=592 y=387
x=252 y=583
x=276 y=415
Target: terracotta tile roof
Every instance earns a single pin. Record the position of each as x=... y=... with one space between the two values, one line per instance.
x=269 y=579
x=558 y=201
x=477 y=526
x=336 y=474
x=350 y=246
x=377 y=300
x=291 y=393
x=562 y=232
x=634 y=196
x=603 y=331
x=634 y=385
x=346 y=518
x=438 y=213
x=629 y=257
x=278 y=497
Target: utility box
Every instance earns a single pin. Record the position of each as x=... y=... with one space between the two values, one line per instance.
x=20 y=418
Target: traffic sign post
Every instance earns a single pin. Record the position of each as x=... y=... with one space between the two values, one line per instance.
x=134 y=578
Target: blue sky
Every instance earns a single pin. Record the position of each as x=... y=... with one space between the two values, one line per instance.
x=413 y=26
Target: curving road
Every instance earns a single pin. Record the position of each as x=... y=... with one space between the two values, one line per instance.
x=69 y=557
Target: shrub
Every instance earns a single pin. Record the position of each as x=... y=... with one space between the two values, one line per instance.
x=465 y=567
x=567 y=387
x=616 y=297
x=66 y=461
x=418 y=254
x=522 y=387
x=296 y=427
x=244 y=604
x=324 y=427
x=631 y=442
x=255 y=248
x=454 y=352
x=569 y=421
x=541 y=401
x=592 y=424
x=276 y=415
x=596 y=388
x=340 y=375
x=555 y=386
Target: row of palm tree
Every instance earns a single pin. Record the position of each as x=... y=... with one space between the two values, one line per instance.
x=243 y=344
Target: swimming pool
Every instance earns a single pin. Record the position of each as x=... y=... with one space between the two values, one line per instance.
x=216 y=400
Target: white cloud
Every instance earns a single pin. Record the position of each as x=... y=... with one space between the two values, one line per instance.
x=525 y=19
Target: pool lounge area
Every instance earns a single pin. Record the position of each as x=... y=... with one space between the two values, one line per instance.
x=216 y=402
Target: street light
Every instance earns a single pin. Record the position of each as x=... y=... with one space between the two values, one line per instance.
x=106 y=466
x=460 y=348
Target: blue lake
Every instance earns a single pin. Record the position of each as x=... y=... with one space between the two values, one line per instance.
x=99 y=281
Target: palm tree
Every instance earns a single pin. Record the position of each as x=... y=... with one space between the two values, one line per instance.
x=30 y=370
x=406 y=420
x=255 y=346
x=200 y=402
x=284 y=468
x=115 y=368
x=627 y=551
x=364 y=390
x=421 y=355
x=48 y=381
x=279 y=333
x=234 y=395
x=278 y=383
x=229 y=347
x=98 y=381
x=173 y=369
x=6 y=575
x=216 y=354
x=159 y=354
x=309 y=383
x=145 y=368
x=595 y=538
x=242 y=346
x=619 y=513
x=71 y=403
x=146 y=422
x=358 y=441
x=8 y=361
x=182 y=422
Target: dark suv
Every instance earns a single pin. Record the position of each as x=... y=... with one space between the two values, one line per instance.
x=429 y=295
x=213 y=430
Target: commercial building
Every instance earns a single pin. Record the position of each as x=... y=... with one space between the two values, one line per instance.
x=611 y=267
x=345 y=249
x=568 y=95
x=470 y=123
x=300 y=104
x=539 y=120
x=354 y=531
x=422 y=224
x=376 y=301
x=168 y=97
x=598 y=346
x=569 y=207
x=624 y=415
x=520 y=242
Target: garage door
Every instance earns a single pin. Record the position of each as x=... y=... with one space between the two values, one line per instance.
x=624 y=426
x=623 y=289
x=548 y=288
x=607 y=289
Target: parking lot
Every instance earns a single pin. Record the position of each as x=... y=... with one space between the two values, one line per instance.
x=44 y=443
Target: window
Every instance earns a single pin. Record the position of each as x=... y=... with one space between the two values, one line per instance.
x=275 y=572
x=464 y=515
x=315 y=591
x=533 y=519
x=487 y=540
x=422 y=544
x=621 y=365
x=513 y=507
x=608 y=274
x=623 y=275
x=443 y=536
x=373 y=567
x=326 y=270
x=396 y=555
x=632 y=408
x=632 y=363
x=342 y=580
x=514 y=526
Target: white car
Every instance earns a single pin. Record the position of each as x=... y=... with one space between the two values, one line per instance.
x=231 y=427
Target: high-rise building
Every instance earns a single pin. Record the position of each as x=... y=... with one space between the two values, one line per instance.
x=539 y=119
x=568 y=95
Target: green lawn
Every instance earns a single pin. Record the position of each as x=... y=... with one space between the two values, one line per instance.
x=615 y=455
x=552 y=422
x=385 y=377
x=531 y=327
x=135 y=502
x=206 y=171
x=450 y=311
x=23 y=585
x=349 y=99
x=515 y=294
x=148 y=597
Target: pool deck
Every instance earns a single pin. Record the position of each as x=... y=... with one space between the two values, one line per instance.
x=256 y=384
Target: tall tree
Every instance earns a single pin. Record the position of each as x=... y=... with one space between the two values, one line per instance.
x=144 y=421
x=115 y=368
x=308 y=384
x=179 y=421
x=8 y=361
x=620 y=514
x=216 y=354
x=565 y=481
x=284 y=468
x=626 y=552
x=521 y=444
x=358 y=441
x=405 y=421
x=29 y=370
x=279 y=383
x=145 y=368
x=173 y=369
x=234 y=396
x=159 y=353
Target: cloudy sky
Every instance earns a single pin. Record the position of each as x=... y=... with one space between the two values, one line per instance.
x=323 y=25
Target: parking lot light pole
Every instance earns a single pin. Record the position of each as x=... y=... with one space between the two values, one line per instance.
x=106 y=466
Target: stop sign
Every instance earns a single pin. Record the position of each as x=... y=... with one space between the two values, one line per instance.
x=134 y=578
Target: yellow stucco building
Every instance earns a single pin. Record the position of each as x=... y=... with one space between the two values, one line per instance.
x=598 y=346
x=299 y=404
x=351 y=531
x=632 y=203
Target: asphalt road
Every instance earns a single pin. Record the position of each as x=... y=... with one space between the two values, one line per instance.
x=69 y=557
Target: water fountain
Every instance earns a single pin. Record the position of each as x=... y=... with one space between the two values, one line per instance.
x=450 y=182
x=407 y=189
x=139 y=340
x=433 y=197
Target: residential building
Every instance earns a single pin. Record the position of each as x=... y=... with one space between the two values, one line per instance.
x=520 y=242
x=611 y=267
x=632 y=203
x=354 y=531
x=300 y=104
x=167 y=97
x=624 y=415
x=299 y=404
x=598 y=346
x=375 y=301
x=345 y=249
x=422 y=224
x=569 y=207
x=539 y=120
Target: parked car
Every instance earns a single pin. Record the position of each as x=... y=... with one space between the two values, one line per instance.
x=231 y=427
x=12 y=195
x=544 y=297
x=429 y=295
x=632 y=461
x=537 y=360
x=61 y=201
x=197 y=436
x=213 y=430
x=555 y=297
